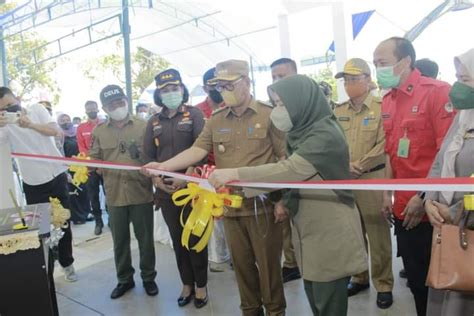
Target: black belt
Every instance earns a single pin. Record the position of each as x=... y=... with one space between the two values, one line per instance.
x=376 y=168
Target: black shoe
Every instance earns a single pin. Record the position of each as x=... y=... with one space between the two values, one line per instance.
x=407 y=284
x=150 y=288
x=354 y=288
x=402 y=274
x=79 y=222
x=200 y=302
x=290 y=274
x=121 y=289
x=99 y=224
x=384 y=299
x=185 y=300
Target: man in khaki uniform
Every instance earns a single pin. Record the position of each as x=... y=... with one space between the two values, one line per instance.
x=241 y=134
x=360 y=117
x=129 y=193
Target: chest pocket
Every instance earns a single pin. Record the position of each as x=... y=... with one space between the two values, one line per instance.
x=418 y=131
x=221 y=136
x=369 y=130
x=345 y=123
x=256 y=133
x=185 y=126
x=110 y=147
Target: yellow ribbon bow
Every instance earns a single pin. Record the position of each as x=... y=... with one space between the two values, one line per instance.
x=59 y=214
x=205 y=206
x=80 y=172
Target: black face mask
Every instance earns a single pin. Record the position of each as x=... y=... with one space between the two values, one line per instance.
x=215 y=96
x=14 y=108
x=66 y=126
x=92 y=115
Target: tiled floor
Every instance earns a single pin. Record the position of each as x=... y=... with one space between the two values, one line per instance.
x=95 y=267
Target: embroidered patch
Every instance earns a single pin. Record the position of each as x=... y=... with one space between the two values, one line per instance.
x=449 y=107
x=414 y=109
x=385 y=115
x=224 y=130
x=344 y=118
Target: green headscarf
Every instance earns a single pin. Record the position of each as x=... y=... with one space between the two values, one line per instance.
x=316 y=135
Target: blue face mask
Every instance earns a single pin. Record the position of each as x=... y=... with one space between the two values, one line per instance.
x=172 y=100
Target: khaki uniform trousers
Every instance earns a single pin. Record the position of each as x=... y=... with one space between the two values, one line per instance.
x=255 y=243
x=377 y=236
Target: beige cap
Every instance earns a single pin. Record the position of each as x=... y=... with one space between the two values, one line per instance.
x=354 y=67
x=231 y=70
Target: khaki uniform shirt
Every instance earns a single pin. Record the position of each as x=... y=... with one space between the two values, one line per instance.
x=240 y=141
x=364 y=132
x=123 y=145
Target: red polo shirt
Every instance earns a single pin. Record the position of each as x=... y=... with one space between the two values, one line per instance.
x=420 y=111
x=84 y=134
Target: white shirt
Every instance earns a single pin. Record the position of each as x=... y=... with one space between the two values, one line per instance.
x=28 y=141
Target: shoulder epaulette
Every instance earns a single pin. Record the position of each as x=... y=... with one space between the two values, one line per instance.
x=219 y=110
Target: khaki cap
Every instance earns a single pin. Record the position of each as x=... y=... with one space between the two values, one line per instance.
x=231 y=70
x=354 y=67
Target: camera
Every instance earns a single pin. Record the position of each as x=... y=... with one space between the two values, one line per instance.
x=12 y=117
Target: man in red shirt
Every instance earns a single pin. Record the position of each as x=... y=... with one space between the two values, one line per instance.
x=84 y=134
x=416 y=115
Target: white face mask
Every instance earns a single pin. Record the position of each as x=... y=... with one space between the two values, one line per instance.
x=119 y=114
x=281 y=119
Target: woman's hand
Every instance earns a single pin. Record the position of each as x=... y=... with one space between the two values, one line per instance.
x=220 y=177
x=159 y=184
x=280 y=212
x=413 y=212
x=438 y=213
x=152 y=165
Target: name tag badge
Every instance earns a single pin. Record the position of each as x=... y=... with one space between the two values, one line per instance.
x=344 y=118
x=185 y=122
x=403 y=147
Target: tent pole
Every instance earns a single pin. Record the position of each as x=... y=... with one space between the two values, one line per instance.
x=126 y=46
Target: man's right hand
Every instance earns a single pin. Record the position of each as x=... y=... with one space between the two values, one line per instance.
x=355 y=169
x=387 y=208
x=159 y=184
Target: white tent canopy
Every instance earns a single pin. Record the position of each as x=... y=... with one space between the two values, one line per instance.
x=194 y=35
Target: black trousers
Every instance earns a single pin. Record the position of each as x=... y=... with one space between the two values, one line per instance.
x=192 y=265
x=56 y=188
x=93 y=187
x=79 y=201
x=414 y=246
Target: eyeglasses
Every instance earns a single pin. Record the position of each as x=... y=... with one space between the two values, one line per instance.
x=229 y=86
x=354 y=79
